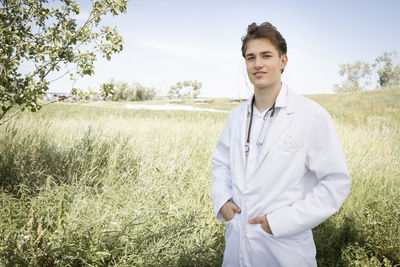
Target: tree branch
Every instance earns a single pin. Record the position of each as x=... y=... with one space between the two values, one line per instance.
x=12 y=23
x=89 y=20
x=8 y=7
x=53 y=64
x=5 y=112
x=13 y=115
x=9 y=118
x=60 y=76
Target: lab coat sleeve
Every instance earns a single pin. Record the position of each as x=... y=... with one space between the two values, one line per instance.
x=325 y=158
x=221 y=189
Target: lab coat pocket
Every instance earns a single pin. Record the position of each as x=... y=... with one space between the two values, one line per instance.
x=302 y=242
x=260 y=232
x=229 y=227
x=232 y=241
x=289 y=144
x=264 y=232
x=231 y=220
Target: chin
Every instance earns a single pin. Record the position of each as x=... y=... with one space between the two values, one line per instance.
x=262 y=86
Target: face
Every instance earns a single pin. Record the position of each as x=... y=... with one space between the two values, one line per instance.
x=264 y=65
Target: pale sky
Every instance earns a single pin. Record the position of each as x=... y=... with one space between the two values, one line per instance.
x=166 y=41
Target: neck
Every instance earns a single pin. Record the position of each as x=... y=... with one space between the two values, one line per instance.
x=266 y=97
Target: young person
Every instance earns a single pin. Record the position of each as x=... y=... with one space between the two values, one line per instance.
x=278 y=167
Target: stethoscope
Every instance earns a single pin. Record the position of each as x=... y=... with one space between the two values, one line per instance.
x=270 y=111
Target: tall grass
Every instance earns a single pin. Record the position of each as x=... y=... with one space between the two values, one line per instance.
x=99 y=185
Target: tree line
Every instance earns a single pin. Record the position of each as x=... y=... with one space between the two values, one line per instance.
x=123 y=91
x=360 y=74
x=187 y=88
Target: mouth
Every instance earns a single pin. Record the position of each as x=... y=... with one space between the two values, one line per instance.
x=258 y=74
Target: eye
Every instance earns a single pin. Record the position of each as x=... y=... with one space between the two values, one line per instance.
x=267 y=56
x=249 y=58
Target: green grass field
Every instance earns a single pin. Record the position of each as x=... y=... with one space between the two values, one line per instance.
x=97 y=185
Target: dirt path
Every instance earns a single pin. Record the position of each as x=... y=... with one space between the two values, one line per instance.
x=172 y=107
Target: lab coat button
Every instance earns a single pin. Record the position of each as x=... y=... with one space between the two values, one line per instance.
x=245 y=198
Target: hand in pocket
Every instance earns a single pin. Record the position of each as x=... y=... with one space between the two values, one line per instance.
x=229 y=209
x=264 y=223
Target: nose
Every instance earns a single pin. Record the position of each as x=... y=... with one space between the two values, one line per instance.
x=258 y=62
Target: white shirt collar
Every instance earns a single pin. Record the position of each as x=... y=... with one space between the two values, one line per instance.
x=281 y=99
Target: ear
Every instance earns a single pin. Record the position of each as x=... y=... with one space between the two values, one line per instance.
x=284 y=61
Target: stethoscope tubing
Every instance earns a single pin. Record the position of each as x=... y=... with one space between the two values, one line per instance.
x=272 y=109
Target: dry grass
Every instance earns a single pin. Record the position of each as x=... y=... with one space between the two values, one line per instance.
x=86 y=184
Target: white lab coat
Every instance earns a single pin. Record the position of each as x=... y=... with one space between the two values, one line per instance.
x=300 y=179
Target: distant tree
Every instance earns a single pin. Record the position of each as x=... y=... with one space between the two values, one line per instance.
x=132 y=92
x=356 y=76
x=143 y=93
x=82 y=94
x=43 y=37
x=74 y=93
x=175 y=91
x=92 y=94
x=388 y=72
x=196 y=88
x=139 y=95
x=107 y=90
x=129 y=94
x=185 y=88
x=150 y=93
x=120 y=88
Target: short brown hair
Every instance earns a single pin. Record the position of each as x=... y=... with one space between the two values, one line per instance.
x=264 y=30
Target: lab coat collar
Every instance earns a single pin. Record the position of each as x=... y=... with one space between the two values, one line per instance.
x=282 y=100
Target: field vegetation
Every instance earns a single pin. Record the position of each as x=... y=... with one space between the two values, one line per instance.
x=96 y=184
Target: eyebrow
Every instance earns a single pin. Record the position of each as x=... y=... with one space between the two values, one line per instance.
x=262 y=53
